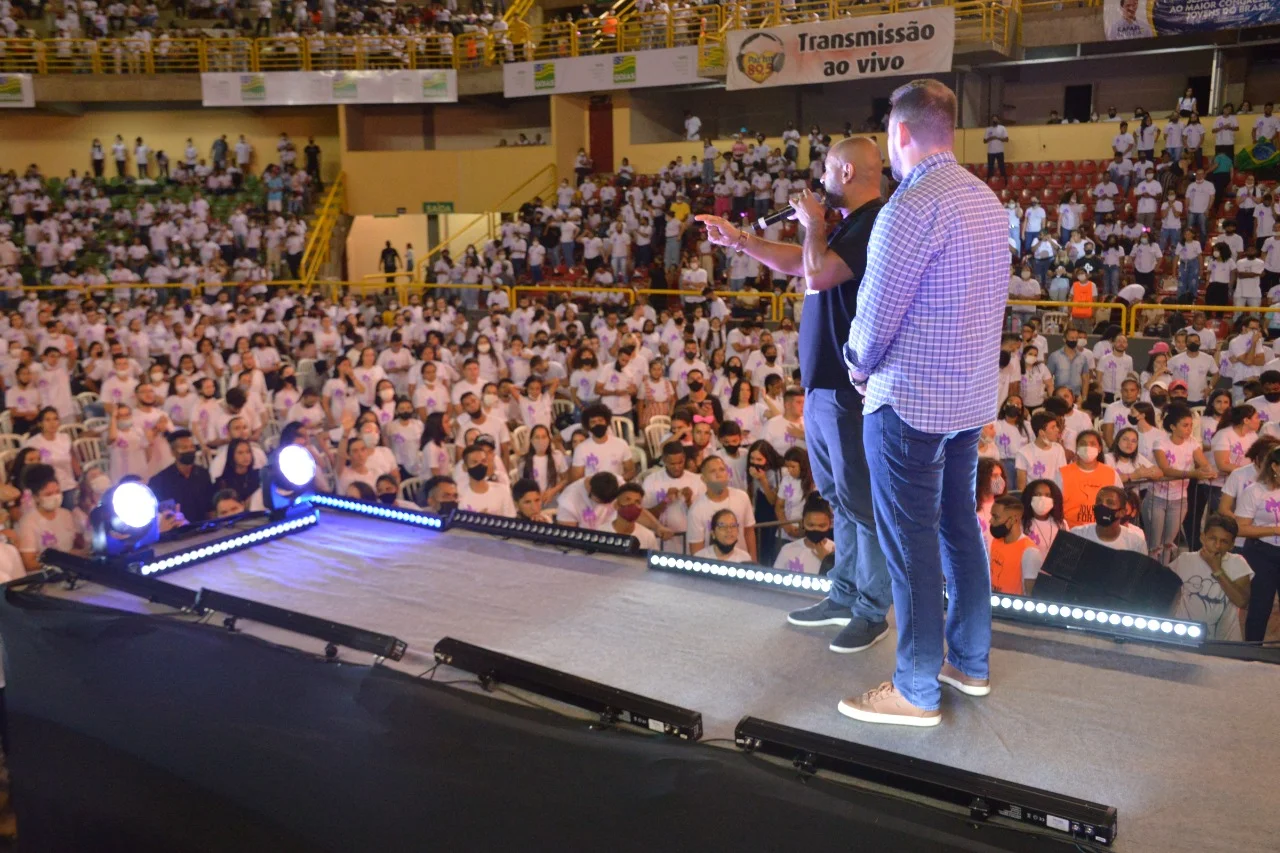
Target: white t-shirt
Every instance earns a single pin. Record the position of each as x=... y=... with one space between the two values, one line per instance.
x=1180 y=457
x=1130 y=539
x=704 y=508
x=1263 y=506
x=1202 y=597
x=494 y=501
x=776 y=433
x=737 y=555
x=610 y=455
x=796 y=556
x=1193 y=371
x=36 y=533
x=1237 y=481
x=576 y=507
x=1040 y=464
x=675 y=516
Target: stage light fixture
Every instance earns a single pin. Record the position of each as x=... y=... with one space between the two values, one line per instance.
x=1098 y=620
x=740 y=573
x=984 y=796
x=125 y=521
x=334 y=634
x=288 y=478
x=219 y=547
x=112 y=575
x=613 y=705
x=558 y=535
x=380 y=510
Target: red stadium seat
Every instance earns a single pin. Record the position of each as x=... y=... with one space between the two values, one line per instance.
x=1017 y=182
x=981 y=170
x=1023 y=169
x=1087 y=167
x=1058 y=180
x=1025 y=196
x=1044 y=167
x=1064 y=167
x=996 y=184
x=1079 y=181
x=1036 y=182
x=1239 y=178
x=1050 y=197
x=1229 y=208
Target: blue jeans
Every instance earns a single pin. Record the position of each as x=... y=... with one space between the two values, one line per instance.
x=923 y=488
x=1168 y=238
x=1027 y=239
x=1196 y=222
x=1188 y=280
x=1040 y=267
x=1111 y=280
x=833 y=435
x=566 y=252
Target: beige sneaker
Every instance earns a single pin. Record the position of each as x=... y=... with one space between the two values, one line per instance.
x=886 y=705
x=964 y=683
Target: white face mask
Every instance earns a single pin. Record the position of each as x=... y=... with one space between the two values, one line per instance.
x=490 y=400
x=541 y=444
x=370 y=439
x=49 y=503
x=1032 y=359
x=1041 y=504
x=386 y=395
x=997 y=485
x=1088 y=453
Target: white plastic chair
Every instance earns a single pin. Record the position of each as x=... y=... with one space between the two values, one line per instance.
x=660 y=420
x=409 y=489
x=6 y=421
x=73 y=430
x=624 y=429
x=87 y=450
x=653 y=436
x=520 y=440
x=640 y=457
x=10 y=441
x=86 y=398
x=560 y=407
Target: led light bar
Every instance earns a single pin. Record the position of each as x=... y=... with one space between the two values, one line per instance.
x=984 y=796
x=226 y=545
x=547 y=534
x=333 y=633
x=740 y=573
x=612 y=704
x=112 y=574
x=380 y=510
x=1099 y=620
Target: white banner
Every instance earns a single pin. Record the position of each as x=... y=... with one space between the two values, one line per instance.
x=17 y=90
x=672 y=66
x=908 y=44
x=297 y=88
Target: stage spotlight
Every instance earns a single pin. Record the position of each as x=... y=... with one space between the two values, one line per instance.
x=740 y=573
x=546 y=534
x=217 y=548
x=985 y=797
x=1108 y=622
x=125 y=521
x=380 y=510
x=613 y=705
x=288 y=477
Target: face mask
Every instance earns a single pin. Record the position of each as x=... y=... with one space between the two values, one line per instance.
x=732 y=449
x=404 y=416
x=816 y=536
x=1000 y=531
x=1010 y=412
x=1105 y=516
x=478 y=472
x=1042 y=504
x=370 y=439
x=483 y=348
x=1133 y=420
x=629 y=513
x=1071 y=344
x=997 y=486
x=695 y=386
x=387 y=497
x=1272 y=397
x=49 y=503
x=1158 y=400
x=125 y=424
x=188 y=458
x=447 y=507
x=1193 y=347
x=1032 y=360
x=723 y=549
x=490 y=400
x=122 y=374
x=599 y=430
x=1005 y=358
x=1088 y=453
x=1026 y=274
x=157 y=377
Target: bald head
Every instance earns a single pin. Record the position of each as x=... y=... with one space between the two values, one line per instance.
x=851 y=176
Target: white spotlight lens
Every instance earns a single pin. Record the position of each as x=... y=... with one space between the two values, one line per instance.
x=1017 y=604
x=1006 y=603
x=1053 y=610
x=995 y=601
x=1140 y=623
x=1193 y=631
x=1089 y=615
x=296 y=465
x=1041 y=607
x=1166 y=627
x=1077 y=613
x=1128 y=621
x=1180 y=629
x=1102 y=617
x=134 y=505
x=1114 y=619
x=1153 y=625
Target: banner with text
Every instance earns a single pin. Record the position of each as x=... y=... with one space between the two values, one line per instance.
x=672 y=66
x=297 y=88
x=1142 y=19
x=17 y=90
x=915 y=43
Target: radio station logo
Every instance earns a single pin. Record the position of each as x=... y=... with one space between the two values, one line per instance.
x=624 y=68
x=761 y=56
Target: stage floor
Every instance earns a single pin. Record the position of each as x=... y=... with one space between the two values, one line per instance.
x=1183 y=745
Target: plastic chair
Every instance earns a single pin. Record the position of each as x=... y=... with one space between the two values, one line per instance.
x=663 y=420
x=6 y=458
x=6 y=421
x=520 y=440
x=560 y=407
x=653 y=436
x=624 y=429
x=73 y=430
x=640 y=457
x=410 y=488
x=96 y=424
x=11 y=441
x=87 y=450
x=86 y=398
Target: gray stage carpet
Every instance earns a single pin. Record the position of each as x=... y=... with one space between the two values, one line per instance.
x=1184 y=746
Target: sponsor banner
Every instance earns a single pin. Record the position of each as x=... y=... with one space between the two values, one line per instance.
x=296 y=88
x=1141 y=19
x=908 y=44
x=666 y=67
x=17 y=91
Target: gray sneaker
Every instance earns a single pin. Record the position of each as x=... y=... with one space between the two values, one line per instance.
x=859 y=634
x=825 y=612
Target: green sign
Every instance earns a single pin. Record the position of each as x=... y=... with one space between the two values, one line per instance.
x=437 y=207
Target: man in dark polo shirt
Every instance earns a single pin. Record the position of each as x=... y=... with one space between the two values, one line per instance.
x=185 y=482
x=832 y=261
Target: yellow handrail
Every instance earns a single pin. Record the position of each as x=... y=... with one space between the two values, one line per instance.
x=1067 y=306
x=515 y=194
x=319 y=240
x=1136 y=311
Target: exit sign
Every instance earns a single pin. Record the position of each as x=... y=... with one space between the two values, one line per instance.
x=437 y=207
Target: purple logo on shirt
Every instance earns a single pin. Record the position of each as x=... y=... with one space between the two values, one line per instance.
x=1004 y=441
x=48 y=539
x=45 y=453
x=1263 y=416
x=1273 y=506
x=398 y=438
x=589 y=516
x=788 y=439
x=660 y=495
x=122 y=442
x=788 y=490
x=1037 y=470
x=1184 y=370
x=795 y=564
x=592 y=461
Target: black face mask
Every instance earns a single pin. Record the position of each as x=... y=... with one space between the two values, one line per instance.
x=1193 y=348
x=188 y=458
x=1071 y=344
x=1133 y=420
x=732 y=449
x=387 y=497
x=690 y=356
x=723 y=549
x=598 y=430
x=1272 y=397
x=695 y=386
x=1000 y=531
x=447 y=507
x=1010 y=412
x=404 y=416
x=478 y=472
x=1158 y=400
x=1105 y=515
x=816 y=536
x=1005 y=358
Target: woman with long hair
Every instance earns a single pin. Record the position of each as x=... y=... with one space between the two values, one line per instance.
x=991 y=485
x=794 y=487
x=743 y=410
x=1126 y=457
x=437 y=436
x=239 y=475
x=1042 y=517
x=55 y=450
x=764 y=472
x=1181 y=459
x=544 y=464
x=1255 y=514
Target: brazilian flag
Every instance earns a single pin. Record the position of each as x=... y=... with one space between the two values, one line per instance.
x=1262 y=157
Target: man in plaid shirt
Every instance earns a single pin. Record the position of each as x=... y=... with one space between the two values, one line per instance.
x=924 y=343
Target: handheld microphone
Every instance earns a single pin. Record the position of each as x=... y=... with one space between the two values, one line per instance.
x=783 y=214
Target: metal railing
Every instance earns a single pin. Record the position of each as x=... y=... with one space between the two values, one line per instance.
x=1137 y=310
x=544 y=178
x=320 y=238
x=979 y=22
x=1067 y=307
